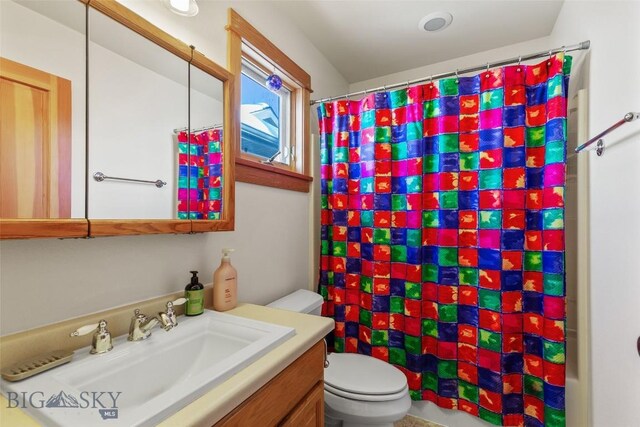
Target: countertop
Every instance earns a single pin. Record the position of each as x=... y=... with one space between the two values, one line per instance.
x=221 y=400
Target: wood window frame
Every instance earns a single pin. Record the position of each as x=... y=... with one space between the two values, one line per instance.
x=248 y=168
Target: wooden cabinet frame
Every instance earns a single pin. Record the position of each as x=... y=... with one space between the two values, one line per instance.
x=87 y=227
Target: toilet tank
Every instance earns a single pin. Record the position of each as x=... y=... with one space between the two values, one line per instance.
x=301 y=301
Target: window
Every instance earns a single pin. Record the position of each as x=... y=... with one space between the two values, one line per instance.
x=274 y=125
x=264 y=117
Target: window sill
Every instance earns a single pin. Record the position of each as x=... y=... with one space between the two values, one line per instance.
x=256 y=173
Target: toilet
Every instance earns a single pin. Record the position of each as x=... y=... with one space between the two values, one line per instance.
x=359 y=390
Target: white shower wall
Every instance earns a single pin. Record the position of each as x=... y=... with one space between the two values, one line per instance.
x=614 y=203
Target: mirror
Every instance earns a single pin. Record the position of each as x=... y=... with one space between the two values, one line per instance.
x=138 y=96
x=206 y=176
x=156 y=140
x=120 y=163
x=42 y=142
x=156 y=146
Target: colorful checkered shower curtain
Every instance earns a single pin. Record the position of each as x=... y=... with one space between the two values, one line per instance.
x=200 y=175
x=443 y=237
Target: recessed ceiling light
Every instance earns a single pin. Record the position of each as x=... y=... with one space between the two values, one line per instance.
x=436 y=21
x=182 y=7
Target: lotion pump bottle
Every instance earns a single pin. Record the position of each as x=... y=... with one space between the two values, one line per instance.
x=225 y=287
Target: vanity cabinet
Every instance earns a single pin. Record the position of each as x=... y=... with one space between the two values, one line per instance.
x=310 y=410
x=295 y=397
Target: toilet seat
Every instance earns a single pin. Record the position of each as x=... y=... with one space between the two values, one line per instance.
x=365 y=378
x=365 y=397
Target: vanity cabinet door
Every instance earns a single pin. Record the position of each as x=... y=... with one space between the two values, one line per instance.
x=309 y=412
x=288 y=399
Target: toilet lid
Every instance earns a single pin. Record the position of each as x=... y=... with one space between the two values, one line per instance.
x=357 y=374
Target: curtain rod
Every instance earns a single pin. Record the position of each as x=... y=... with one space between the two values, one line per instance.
x=580 y=46
x=212 y=127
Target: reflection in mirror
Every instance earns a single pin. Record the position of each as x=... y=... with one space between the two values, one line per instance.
x=42 y=110
x=204 y=177
x=139 y=95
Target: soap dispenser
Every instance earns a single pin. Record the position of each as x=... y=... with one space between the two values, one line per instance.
x=194 y=293
x=225 y=286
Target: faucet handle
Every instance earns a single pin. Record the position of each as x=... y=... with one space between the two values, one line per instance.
x=84 y=330
x=168 y=318
x=101 y=342
x=179 y=301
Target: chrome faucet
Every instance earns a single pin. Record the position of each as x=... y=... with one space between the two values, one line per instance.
x=101 y=342
x=168 y=318
x=141 y=325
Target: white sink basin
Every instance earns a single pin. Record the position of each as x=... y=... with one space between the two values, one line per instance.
x=146 y=381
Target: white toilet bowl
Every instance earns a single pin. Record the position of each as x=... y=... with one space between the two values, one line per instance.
x=359 y=390
x=363 y=391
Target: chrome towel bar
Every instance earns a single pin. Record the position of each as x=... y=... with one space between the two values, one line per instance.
x=99 y=176
x=629 y=117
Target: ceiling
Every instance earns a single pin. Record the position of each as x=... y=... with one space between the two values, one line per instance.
x=368 y=39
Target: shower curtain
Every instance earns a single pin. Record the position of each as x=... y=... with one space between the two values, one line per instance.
x=442 y=237
x=200 y=175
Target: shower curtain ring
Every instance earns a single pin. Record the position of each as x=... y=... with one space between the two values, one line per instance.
x=487 y=75
x=457 y=76
x=519 y=62
x=550 y=55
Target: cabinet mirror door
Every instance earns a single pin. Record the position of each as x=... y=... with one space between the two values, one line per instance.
x=156 y=139
x=42 y=112
x=138 y=96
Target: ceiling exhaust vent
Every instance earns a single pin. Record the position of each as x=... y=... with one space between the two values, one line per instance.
x=436 y=21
